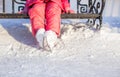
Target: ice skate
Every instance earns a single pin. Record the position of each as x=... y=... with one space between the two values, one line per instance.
x=40 y=37
x=50 y=40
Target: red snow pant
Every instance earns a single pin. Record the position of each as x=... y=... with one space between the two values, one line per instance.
x=45 y=15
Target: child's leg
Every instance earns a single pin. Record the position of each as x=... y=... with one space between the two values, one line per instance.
x=37 y=17
x=53 y=12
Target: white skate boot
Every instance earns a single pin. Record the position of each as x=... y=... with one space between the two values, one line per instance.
x=50 y=40
x=40 y=37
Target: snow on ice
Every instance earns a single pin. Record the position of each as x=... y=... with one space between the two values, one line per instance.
x=81 y=52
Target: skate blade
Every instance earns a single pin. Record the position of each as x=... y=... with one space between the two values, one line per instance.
x=46 y=46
